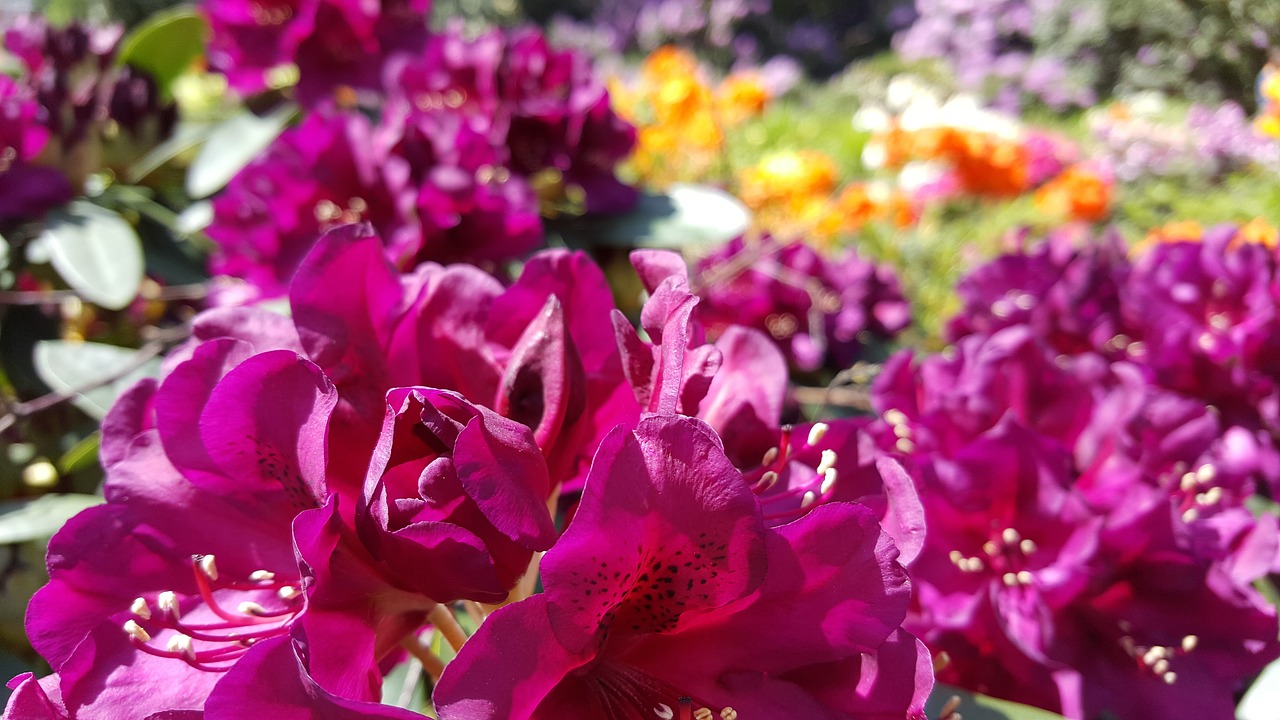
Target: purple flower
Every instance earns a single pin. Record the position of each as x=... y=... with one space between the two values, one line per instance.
x=334 y=43
x=667 y=594
x=27 y=190
x=821 y=312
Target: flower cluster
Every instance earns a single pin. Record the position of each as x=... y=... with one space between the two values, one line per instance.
x=70 y=112
x=682 y=116
x=955 y=148
x=476 y=139
x=1083 y=457
x=298 y=499
x=821 y=312
x=794 y=193
x=1209 y=142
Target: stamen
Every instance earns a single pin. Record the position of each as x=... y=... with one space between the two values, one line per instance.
x=1010 y=536
x=1025 y=577
x=140 y=609
x=209 y=567
x=664 y=711
x=1189 y=643
x=769 y=456
x=248 y=607
x=894 y=416
x=828 y=481
x=288 y=592
x=1206 y=473
x=828 y=461
x=817 y=432
x=702 y=714
x=168 y=604
x=262 y=576
x=768 y=480
x=136 y=632
x=728 y=714
x=1027 y=546
x=1169 y=678
x=686 y=708
x=181 y=645
x=809 y=497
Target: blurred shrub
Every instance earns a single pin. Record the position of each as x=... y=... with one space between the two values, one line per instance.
x=1070 y=53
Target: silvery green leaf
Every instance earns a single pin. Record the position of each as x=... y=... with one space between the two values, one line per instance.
x=66 y=365
x=231 y=146
x=96 y=251
x=41 y=517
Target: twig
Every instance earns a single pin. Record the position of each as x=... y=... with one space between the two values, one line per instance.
x=196 y=291
x=850 y=397
x=442 y=619
x=162 y=340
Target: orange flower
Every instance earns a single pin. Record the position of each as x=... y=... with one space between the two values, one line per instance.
x=740 y=97
x=668 y=62
x=1260 y=232
x=788 y=178
x=1078 y=193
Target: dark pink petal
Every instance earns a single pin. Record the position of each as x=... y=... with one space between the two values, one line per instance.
x=502 y=471
x=265 y=425
x=663 y=514
x=833 y=589
x=544 y=385
x=508 y=668
x=904 y=520
x=183 y=397
x=31 y=701
x=272 y=681
x=744 y=400
x=130 y=415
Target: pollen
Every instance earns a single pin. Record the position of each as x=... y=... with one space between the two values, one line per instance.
x=209 y=567
x=140 y=609
x=817 y=432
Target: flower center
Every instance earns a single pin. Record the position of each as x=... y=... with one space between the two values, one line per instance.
x=627 y=693
x=214 y=645
x=803 y=489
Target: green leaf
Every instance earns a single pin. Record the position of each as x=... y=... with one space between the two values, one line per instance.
x=66 y=366
x=81 y=456
x=1263 y=697
x=96 y=251
x=39 y=518
x=234 y=143
x=166 y=45
x=686 y=215
x=974 y=706
x=403 y=686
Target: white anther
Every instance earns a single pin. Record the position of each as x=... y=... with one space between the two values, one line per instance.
x=828 y=461
x=248 y=607
x=768 y=479
x=1190 y=515
x=809 y=497
x=817 y=432
x=769 y=456
x=1152 y=655
x=1160 y=667
x=1024 y=577
x=1206 y=473
x=1188 y=482
x=728 y=714
x=1009 y=579
x=893 y=416
x=663 y=711
x=1170 y=678
x=1212 y=496
x=828 y=480
x=702 y=714
x=181 y=644
x=956 y=556
x=902 y=431
x=140 y=609
x=1027 y=546
x=904 y=445
x=989 y=547
x=288 y=592
x=168 y=603
x=209 y=567
x=262 y=576
x=1189 y=643
x=1010 y=536
x=136 y=632
x=974 y=564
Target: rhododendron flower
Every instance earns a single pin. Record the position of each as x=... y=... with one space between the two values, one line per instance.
x=27 y=190
x=333 y=43
x=667 y=595
x=821 y=312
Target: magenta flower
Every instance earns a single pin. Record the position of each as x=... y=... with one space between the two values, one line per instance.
x=323 y=173
x=333 y=43
x=456 y=492
x=820 y=312
x=27 y=190
x=667 y=595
